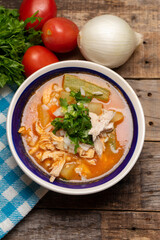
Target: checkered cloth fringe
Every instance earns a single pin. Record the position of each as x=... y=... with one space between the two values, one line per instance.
x=18 y=193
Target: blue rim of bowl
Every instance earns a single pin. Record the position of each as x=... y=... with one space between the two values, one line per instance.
x=16 y=121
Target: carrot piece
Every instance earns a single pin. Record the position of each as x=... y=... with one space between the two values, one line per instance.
x=52 y=109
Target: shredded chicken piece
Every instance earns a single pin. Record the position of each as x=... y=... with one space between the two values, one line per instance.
x=49 y=128
x=86 y=154
x=101 y=123
x=54 y=155
x=30 y=138
x=45 y=137
x=47 y=146
x=38 y=155
x=55 y=138
x=109 y=127
x=47 y=94
x=45 y=142
x=22 y=130
x=99 y=146
x=34 y=149
x=58 y=141
x=60 y=145
x=92 y=161
x=85 y=146
x=56 y=169
x=38 y=128
x=31 y=141
x=48 y=141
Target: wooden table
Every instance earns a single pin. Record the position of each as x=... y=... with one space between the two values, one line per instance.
x=130 y=209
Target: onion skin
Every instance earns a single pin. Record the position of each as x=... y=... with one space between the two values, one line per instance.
x=108 y=40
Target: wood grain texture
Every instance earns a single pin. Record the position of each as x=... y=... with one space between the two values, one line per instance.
x=89 y=225
x=58 y=225
x=143 y=17
x=131 y=209
x=148 y=92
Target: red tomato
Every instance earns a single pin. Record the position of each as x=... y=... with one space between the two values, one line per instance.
x=37 y=57
x=47 y=9
x=60 y=34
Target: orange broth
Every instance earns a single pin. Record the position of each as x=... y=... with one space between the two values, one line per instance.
x=109 y=159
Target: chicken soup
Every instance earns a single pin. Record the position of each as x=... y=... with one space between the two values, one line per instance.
x=77 y=127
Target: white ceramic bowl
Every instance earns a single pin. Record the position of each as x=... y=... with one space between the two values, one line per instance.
x=14 y=120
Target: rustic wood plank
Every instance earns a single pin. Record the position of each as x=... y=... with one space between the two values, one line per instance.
x=130 y=226
x=139 y=190
x=89 y=225
x=58 y=225
x=10 y=4
x=148 y=92
x=144 y=18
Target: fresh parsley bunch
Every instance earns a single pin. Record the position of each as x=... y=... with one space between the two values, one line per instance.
x=76 y=121
x=14 y=41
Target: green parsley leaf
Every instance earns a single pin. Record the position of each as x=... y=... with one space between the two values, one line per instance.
x=63 y=102
x=14 y=41
x=79 y=98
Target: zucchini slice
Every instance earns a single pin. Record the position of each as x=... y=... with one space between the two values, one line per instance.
x=74 y=83
x=112 y=139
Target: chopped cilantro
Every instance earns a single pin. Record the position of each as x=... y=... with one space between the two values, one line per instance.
x=79 y=98
x=76 y=121
x=63 y=103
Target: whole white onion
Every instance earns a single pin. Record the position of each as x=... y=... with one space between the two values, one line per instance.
x=108 y=40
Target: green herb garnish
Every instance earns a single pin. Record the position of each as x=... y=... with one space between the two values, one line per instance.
x=63 y=103
x=76 y=121
x=14 y=41
x=79 y=98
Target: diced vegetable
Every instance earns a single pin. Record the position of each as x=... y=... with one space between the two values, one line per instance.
x=43 y=115
x=95 y=107
x=66 y=95
x=67 y=171
x=74 y=83
x=117 y=117
x=52 y=109
x=112 y=139
x=83 y=170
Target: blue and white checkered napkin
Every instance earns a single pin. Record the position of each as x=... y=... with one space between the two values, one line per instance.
x=18 y=193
